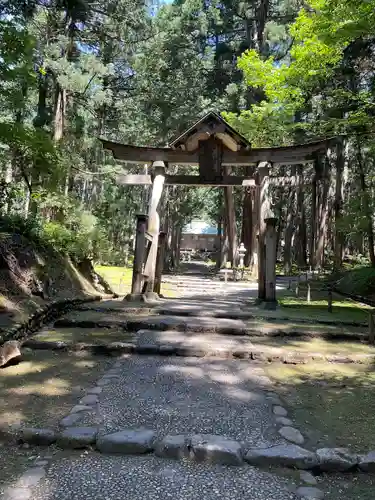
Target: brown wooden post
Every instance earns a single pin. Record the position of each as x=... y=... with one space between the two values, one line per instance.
x=270 y=262
x=159 y=262
x=263 y=208
x=371 y=327
x=140 y=243
x=329 y=299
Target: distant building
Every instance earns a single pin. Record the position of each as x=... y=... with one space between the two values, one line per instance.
x=199 y=235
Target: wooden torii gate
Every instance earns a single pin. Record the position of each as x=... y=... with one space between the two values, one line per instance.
x=214 y=146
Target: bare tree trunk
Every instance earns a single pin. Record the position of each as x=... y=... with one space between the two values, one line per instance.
x=289 y=230
x=300 y=239
x=8 y=178
x=338 y=243
x=230 y=223
x=312 y=256
x=247 y=227
x=324 y=188
x=225 y=244
x=220 y=241
x=366 y=203
x=60 y=113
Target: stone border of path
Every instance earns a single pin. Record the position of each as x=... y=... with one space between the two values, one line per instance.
x=181 y=324
x=42 y=316
x=213 y=449
x=158 y=308
x=252 y=353
x=201 y=448
x=198 y=447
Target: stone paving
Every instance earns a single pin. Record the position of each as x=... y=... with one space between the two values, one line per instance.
x=188 y=395
x=149 y=478
x=206 y=410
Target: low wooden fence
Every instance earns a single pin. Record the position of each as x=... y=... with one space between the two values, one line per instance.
x=328 y=289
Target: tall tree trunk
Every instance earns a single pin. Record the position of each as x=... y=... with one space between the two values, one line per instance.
x=338 y=243
x=261 y=20
x=323 y=204
x=230 y=223
x=247 y=225
x=312 y=256
x=60 y=113
x=300 y=239
x=220 y=241
x=225 y=244
x=289 y=229
x=366 y=203
x=8 y=178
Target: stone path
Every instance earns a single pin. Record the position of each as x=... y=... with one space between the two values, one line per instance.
x=176 y=396
x=150 y=478
x=205 y=412
x=190 y=396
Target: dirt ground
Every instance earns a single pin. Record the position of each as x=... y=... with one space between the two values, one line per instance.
x=38 y=392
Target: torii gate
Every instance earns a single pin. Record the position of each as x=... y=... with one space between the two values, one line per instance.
x=213 y=145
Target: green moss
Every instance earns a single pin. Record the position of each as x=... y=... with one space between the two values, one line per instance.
x=336 y=400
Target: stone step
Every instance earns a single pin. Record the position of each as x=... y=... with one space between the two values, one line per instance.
x=92 y=319
x=210 y=284
x=190 y=344
x=207 y=324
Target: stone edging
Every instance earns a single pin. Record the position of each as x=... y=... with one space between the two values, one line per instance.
x=251 y=354
x=162 y=324
x=198 y=447
x=41 y=316
x=241 y=315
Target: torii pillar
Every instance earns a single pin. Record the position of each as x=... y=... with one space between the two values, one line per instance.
x=153 y=227
x=263 y=210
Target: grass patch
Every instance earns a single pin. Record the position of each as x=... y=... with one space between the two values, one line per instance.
x=333 y=402
x=315 y=345
x=120 y=280
x=342 y=309
x=348 y=486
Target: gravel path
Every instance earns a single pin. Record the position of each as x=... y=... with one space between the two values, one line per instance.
x=148 y=478
x=189 y=395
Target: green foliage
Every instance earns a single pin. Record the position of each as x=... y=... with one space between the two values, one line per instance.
x=360 y=281
x=29 y=228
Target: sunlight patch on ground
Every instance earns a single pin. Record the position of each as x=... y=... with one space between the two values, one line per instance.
x=23 y=368
x=316 y=345
x=338 y=400
x=120 y=279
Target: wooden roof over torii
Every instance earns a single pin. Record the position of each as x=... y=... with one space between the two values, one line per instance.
x=213 y=145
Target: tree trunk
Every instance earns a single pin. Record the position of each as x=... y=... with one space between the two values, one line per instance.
x=247 y=226
x=220 y=241
x=60 y=113
x=323 y=197
x=230 y=223
x=8 y=178
x=338 y=243
x=289 y=230
x=300 y=238
x=366 y=203
x=225 y=244
x=312 y=259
